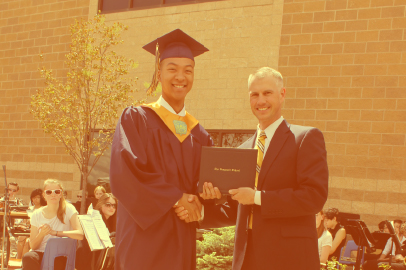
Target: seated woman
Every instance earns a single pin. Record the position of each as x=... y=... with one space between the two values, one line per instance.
x=325 y=239
x=98 y=192
x=37 y=200
x=56 y=219
x=337 y=232
x=107 y=206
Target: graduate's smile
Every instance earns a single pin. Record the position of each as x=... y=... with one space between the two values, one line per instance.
x=179 y=86
x=176 y=77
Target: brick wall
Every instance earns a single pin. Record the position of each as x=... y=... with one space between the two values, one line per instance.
x=28 y=27
x=344 y=63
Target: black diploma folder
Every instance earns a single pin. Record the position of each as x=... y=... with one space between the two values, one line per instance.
x=228 y=168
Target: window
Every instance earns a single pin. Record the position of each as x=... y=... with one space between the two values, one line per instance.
x=107 y=6
x=229 y=138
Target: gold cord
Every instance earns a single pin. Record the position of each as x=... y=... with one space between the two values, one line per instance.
x=154 y=83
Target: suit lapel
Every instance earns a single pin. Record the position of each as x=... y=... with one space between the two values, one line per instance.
x=276 y=144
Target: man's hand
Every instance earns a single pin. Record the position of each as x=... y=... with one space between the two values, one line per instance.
x=189 y=208
x=210 y=192
x=243 y=195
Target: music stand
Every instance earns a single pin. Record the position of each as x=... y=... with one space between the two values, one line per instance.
x=381 y=239
x=361 y=236
x=395 y=240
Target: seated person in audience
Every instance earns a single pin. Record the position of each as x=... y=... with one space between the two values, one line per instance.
x=107 y=206
x=13 y=189
x=37 y=200
x=98 y=192
x=337 y=232
x=56 y=219
x=400 y=255
x=382 y=227
x=65 y=195
x=389 y=248
x=325 y=240
x=78 y=203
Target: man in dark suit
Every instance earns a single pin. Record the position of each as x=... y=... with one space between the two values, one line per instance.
x=276 y=226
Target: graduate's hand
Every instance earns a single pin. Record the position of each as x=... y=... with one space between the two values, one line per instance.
x=192 y=205
x=210 y=192
x=243 y=195
x=180 y=210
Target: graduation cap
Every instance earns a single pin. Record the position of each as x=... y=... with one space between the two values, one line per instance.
x=175 y=44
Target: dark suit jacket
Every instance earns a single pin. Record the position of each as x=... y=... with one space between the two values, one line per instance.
x=293 y=182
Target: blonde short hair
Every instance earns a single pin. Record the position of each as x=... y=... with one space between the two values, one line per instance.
x=402 y=229
x=99 y=188
x=266 y=72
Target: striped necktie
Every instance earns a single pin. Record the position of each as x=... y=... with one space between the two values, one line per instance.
x=260 y=145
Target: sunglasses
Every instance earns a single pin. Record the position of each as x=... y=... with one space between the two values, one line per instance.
x=79 y=196
x=50 y=191
x=111 y=205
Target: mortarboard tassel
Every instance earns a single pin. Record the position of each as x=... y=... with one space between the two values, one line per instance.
x=154 y=83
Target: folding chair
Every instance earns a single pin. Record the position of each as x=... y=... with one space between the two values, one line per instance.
x=57 y=247
x=346 y=257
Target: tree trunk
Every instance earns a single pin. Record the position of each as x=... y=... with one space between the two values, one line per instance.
x=85 y=174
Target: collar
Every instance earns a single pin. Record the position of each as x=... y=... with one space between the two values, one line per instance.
x=181 y=126
x=270 y=130
x=161 y=101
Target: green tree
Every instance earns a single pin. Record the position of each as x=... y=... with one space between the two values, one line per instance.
x=215 y=252
x=96 y=88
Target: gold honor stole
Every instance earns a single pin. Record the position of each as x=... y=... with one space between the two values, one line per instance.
x=179 y=125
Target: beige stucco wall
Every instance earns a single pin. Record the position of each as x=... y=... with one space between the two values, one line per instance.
x=241 y=35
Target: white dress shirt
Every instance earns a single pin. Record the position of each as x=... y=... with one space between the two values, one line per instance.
x=161 y=101
x=269 y=131
x=388 y=245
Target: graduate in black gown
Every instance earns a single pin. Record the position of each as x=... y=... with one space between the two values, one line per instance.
x=155 y=163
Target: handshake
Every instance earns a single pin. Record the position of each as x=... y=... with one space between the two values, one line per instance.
x=189 y=207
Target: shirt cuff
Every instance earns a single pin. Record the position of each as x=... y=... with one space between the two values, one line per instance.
x=257 y=198
x=202 y=213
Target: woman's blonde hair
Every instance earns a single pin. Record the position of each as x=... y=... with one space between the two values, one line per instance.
x=321 y=228
x=62 y=203
x=99 y=188
x=402 y=229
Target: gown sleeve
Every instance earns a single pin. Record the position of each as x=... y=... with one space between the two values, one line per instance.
x=136 y=177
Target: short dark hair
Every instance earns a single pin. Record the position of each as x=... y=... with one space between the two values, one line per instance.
x=39 y=192
x=381 y=225
x=13 y=184
x=331 y=213
x=398 y=221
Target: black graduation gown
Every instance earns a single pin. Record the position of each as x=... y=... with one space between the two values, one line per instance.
x=150 y=170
